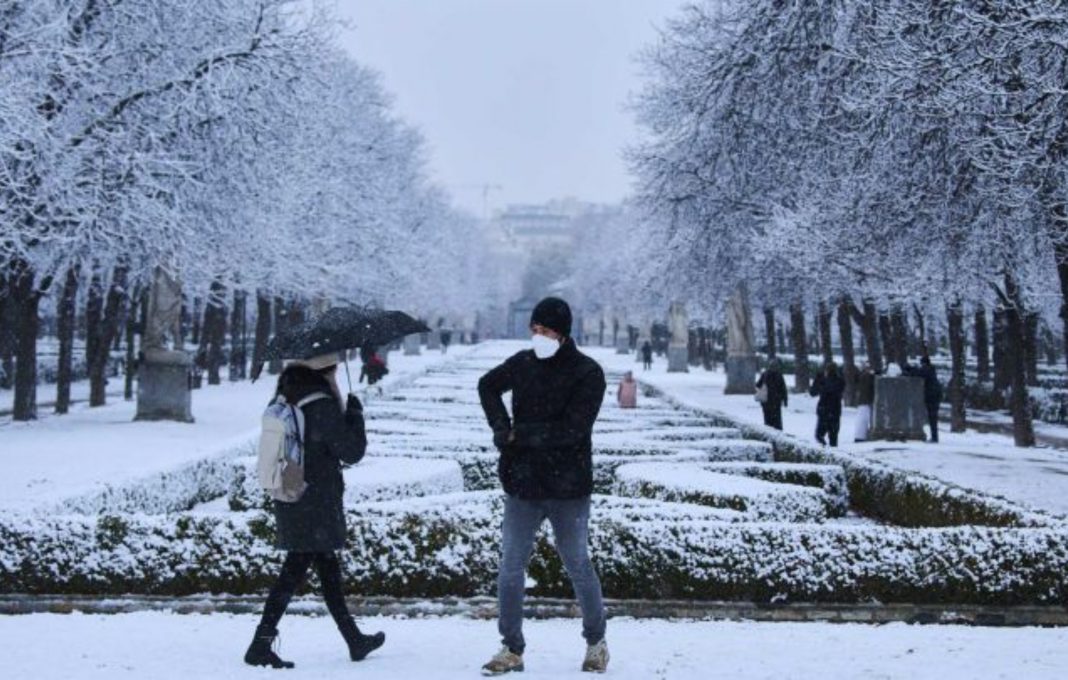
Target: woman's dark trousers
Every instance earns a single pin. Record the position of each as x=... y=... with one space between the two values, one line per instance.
x=294 y=571
x=772 y=414
x=828 y=424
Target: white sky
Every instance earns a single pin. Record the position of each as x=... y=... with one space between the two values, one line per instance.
x=528 y=94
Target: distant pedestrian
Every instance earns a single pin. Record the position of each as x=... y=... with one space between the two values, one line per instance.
x=374 y=367
x=647 y=355
x=932 y=393
x=773 y=388
x=446 y=338
x=627 y=395
x=546 y=469
x=312 y=529
x=829 y=387
x=865 y=402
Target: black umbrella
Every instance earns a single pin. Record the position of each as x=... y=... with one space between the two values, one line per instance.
x=340 y=329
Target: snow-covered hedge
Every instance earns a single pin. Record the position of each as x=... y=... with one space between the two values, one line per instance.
x=372 y=480
x=438 y=546
x=175 y=490
x=694 y=483
x=908 y=499
x=713 y=449
x=830 y=478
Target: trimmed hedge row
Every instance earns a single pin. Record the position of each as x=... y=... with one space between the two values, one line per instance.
x=904 y=498
x=449 y=546
x=830 y=478
x=694 y=483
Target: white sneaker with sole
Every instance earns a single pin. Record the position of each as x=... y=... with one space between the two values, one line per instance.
x=504 y=661
x=596 y=660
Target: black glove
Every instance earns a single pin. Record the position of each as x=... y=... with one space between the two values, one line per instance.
x=503 y=439
x=352 y=403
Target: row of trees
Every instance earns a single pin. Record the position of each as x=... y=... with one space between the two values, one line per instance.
x=879 y=159
x=226 y=142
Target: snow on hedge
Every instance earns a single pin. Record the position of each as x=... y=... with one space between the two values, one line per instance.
x=830 y=478
x=448 y=545
x=694 y=483
x=372 y=480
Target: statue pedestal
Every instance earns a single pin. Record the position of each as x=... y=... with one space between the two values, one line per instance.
x=411 y=345
x=433 y=340
x=163 y=386
x=899 y=412
x=741 y=374
x=678 y=359
x=623 y=342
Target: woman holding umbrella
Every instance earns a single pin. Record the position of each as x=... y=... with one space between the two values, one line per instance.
x=312 y=529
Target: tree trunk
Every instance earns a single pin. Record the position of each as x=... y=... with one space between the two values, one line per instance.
x=955 y=319
x=1002 y=370
x=1060 y=250
x=135 y=323
x=769 y=329
x=108 y=329
x=65 y=309
x=7 y=333
x=868 y=322
x=263 y=328
x=982 y=345
x=886 y=337
x=94 y=311
x=197 y=312
x=26 y=299
x=800 y=342
x=238 y=336
x=1023 y=432
x=213 y=332
x=1030 y=347
x=824 y=318
x=899 y=335
x=849 y=360
x=275 y=367
x=920 y=343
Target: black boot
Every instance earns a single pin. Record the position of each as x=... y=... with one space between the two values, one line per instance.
x=360 y=645
x=260 y=653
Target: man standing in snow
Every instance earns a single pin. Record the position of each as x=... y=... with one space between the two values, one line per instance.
x=546 y=469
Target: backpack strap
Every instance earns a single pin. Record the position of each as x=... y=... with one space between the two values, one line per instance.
x=313 y=397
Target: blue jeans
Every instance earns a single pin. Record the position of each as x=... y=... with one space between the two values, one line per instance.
x=570 y=522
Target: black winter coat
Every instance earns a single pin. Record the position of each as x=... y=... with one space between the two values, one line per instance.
x=777 y=394
x=829 y=389
x=866 y=389
x=316 y=523
x=932 y=388
x=555 y=403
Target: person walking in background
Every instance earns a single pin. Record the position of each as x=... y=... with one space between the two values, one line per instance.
x=546 y=469
x=312 y=529
x=773 y=386
x=647 y=355
x=865 y=402
x=829 y=387
x=446 y=338
x=932 y=393
x=627 y=395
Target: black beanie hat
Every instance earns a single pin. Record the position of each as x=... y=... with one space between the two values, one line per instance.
x=552 y=312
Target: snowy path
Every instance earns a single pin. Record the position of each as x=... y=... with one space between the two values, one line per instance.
x=165 y=646
x=983 y=461
x=58 y=457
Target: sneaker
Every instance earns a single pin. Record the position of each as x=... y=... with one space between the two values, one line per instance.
x=596 y=660
x=504 y=661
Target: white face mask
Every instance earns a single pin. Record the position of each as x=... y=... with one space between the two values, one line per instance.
x=544 y=347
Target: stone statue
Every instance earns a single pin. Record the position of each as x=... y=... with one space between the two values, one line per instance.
x=679 y=326
x=739 y=324
x=162 y=326
x=741 y=362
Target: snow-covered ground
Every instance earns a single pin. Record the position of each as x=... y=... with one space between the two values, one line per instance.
x=164 y=646
x=58 y=457
x=983 y=461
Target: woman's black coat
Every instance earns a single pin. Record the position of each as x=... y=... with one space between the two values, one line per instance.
x=316 y=523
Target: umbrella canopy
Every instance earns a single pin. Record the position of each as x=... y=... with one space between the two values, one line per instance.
x=342 y=328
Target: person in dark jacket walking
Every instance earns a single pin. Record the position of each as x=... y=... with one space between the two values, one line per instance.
x=546 y=469
x=932 y=393
x=312 y=529
x=777 y=397
x=647 y=355
x=828 y=386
